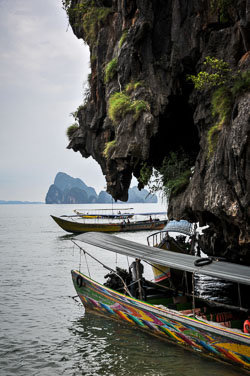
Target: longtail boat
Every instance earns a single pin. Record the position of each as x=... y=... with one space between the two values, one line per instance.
x=207 y=327
x=105 y=213
x=185 y=242
x=119 y=226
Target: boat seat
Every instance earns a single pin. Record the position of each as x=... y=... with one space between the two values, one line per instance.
x=237 y=324
x=234 y=324
x=151 y=288
x=183 y=306
x=158 y=299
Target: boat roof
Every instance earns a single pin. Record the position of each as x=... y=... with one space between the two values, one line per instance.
x=96 y=215
x=218 y=269
x=152 y=213
x=121 y=215
x=181 y=226
x=103 y=209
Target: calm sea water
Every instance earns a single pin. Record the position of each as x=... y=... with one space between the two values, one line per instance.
x=45 y=332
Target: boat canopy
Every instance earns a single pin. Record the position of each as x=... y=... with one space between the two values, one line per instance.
x=181 y=226
x=102 y=209
x=116 y=216
x=218 y=269
x=151 y=213
x=122 y=214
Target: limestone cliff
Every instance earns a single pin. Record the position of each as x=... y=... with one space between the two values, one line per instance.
x=143 y=50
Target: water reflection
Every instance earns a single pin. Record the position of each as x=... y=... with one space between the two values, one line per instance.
x=105 y=347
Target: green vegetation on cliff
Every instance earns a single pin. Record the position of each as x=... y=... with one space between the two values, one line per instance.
x=131 y=86
x=123 y=38
x=241 y=83
x=219 y=74
x=109 y=147
x=222 y=102
x=75 y=126
x=92 y=21
x=171 y=178
x=121 y=104
x=110 y=70
x=221 y=7
x=71 y=130
x=229 y=86
x=88 y=15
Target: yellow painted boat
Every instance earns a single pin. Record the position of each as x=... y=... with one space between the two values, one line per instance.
x=78 y=227
x=105 y=213
x=163 y=241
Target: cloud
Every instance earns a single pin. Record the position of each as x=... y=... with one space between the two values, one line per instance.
x=33 y=45
x=42 y=70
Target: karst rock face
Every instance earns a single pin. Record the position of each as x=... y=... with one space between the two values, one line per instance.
x=154 y=45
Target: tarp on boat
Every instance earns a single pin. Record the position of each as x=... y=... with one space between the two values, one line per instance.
x=181 y=226
x=218 y=269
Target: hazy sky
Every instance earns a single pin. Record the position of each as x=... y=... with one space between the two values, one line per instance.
x=43 y=67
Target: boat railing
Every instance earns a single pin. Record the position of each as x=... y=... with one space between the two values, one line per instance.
x=155 y=239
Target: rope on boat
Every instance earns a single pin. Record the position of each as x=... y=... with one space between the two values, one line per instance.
x=86 y=260
x=128 y=262
x=105 y=266
x=80 y=260
x=76 y=299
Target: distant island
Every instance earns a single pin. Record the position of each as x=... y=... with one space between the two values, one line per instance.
x=69 y=190
x=2 y=202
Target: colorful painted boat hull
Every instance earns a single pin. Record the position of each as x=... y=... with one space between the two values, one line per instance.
x=204 y=338
x=78 y=228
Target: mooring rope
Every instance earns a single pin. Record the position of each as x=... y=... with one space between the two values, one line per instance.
x=105 y=266
x=80 y=260
x=86 y=261
x=128 y=262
